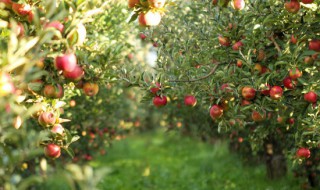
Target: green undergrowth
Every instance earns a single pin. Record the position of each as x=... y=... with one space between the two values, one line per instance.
x=167 y=161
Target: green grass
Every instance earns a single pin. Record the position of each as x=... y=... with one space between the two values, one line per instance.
x=164 y=161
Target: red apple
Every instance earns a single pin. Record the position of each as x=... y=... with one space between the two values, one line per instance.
x=289 y=83
x=257 y=117
x=311 y=97
x=293 y=39
x=190 y=100
x=292 y=6
x=307 y=1
x=53 y=91
x=214 y=2
x=295 y=73
x=52 y=151
x=66 y=62
x=276 y=92
x=314 y=45
x=290 y=121
x=74 y=75
x=224 y=41
x=55 y=24
x=308 y=60
x=30 y=17
x=90 y=89
x=266 y=90
x=149 y=18
x=142 y=36
x=47 y=119
x=157 y=3
x=239 y=63
x=159 y=101
x=57 y=128
x=237 y=45
x=238 y=4
x=226 y=88
x=216 y=111
x=303 y=153
x=21 y=9
x=245 y=102
x=248 y=93
x=133 y=3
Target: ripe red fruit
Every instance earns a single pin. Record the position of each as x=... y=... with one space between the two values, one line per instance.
x=295 y=73
x=290 y=121
x=245 y=102
x=133 y=3
x=311 y=97
x=149 y=19
x=57 y=128
x=154 y=90
x=157 y=3
x=289 y=83
x=53 y=91
x=216 y=111
x=237 y=45
x=159 y=101
x=257 y=117
x=225 y=88
x=238 y=4
x=55 y=24
x=248 y=93
x=314 y=45
x=307 y=1
x=292 y=6
x=47 y=119
x=266 y=91
x=239 y=63
x=20 y=9
x=224 y=41
x=190 y=100
x=7 y=3
x=214 y=2
x=52 y=151
x=293 y=39
x=276 y=92
x=90 y=89
x=303 y=153
x=66 y=62
x=308 y=60
x=74 y=75
x=143 y=36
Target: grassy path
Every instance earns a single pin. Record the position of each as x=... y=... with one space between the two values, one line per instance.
x=162 y=161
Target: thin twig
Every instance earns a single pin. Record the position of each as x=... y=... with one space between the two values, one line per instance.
x=276 y=44
x=201 y=78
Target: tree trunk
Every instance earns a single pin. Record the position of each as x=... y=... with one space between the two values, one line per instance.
x=275 y=160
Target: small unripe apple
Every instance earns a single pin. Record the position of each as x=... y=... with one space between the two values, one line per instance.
x=311 y=97
x=57 y=128
x=292 y=6
x=52 y=151
x=276 y=92
x=295 y=73
x=224 y=41
x=314 y=45
x=159 y=101
x=257 y=117
x=303 y=153
x=190 y=100
x=47 y=119
x=55 y=24
x=248 y=93
x=74 y=75
x=289 y=83
x=216 y=112
x=90 y=89
x=157 y=3
x=149 y=18
x=237 y=45
x=66 y=62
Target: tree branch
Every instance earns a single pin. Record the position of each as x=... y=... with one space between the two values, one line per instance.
x=276 y=44
x=201 y=78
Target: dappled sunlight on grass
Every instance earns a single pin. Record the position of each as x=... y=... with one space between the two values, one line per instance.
x=168 y=161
